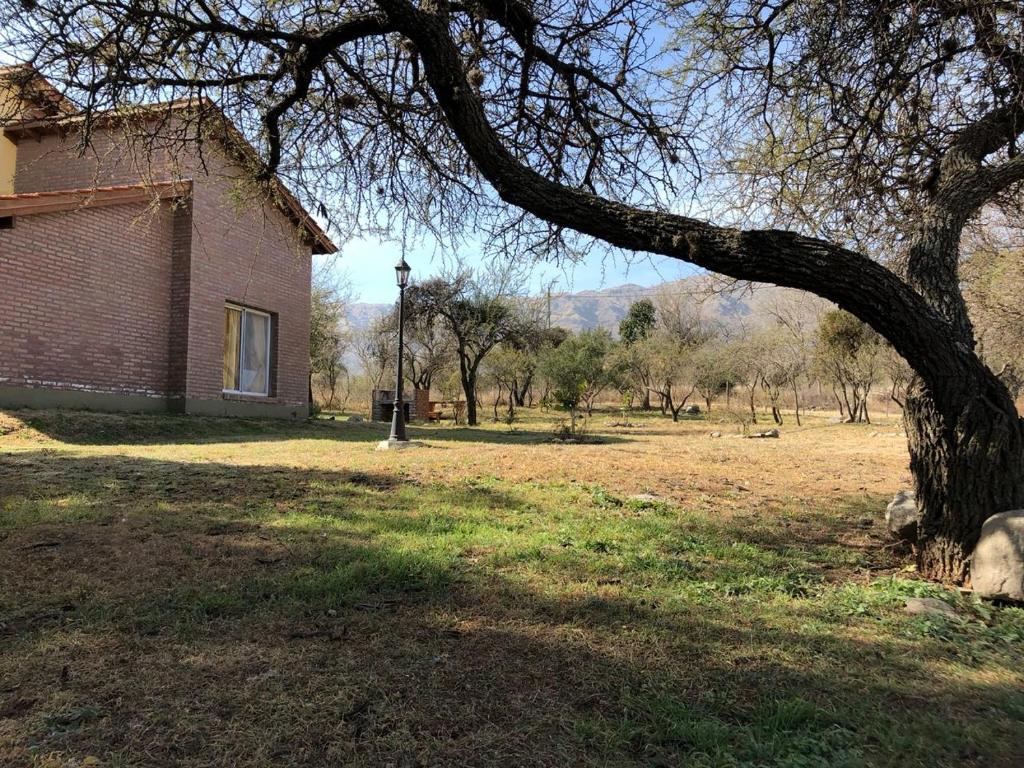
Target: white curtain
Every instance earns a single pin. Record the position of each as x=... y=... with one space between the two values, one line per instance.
x=255 y=376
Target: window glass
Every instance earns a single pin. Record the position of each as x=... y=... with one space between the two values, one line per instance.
x=232 y=346
x=255 y=360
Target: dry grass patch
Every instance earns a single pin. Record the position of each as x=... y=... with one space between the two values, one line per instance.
x=205 y=592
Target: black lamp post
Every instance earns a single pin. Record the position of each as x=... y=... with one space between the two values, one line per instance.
x=402 y=271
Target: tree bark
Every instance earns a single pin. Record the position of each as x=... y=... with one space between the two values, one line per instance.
x=469 y=389
x=520 y=392
x=839 y=402
x=965 y=436
x=967 y=466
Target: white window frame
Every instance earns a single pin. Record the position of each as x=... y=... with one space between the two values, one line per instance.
x=241 y=346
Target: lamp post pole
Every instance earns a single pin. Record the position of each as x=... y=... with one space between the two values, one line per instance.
x=398 y=416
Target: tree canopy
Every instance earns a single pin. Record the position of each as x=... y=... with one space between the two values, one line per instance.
x=638 y=322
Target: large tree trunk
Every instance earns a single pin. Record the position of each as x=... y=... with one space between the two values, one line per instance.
x=519 y=392
x=965 y=436
x=967 y=466
x=469 y=389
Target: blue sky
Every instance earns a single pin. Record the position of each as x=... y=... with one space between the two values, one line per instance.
x=368 y=266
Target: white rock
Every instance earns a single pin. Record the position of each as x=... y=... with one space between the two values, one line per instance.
x=902 y=516
x=997 y=566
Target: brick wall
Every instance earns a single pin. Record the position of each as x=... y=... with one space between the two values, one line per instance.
x=245 y=251
x=229 y=246
x=86 y=300
x=181 y=274
x=422 y=400
x=53 y=161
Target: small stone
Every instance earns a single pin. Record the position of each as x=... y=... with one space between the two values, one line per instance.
x=716 y=434
x=997 y=565
x=928 y=606
x=902 y=516
x=398 y=445
x=766 y=433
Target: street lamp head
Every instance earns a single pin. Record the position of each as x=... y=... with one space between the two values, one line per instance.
x=402 y=271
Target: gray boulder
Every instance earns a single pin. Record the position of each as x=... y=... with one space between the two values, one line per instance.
x=766 y=433
x=691 y=410
x=928 y=606
x=902 y=516
x=355 y=419
x=997 y=566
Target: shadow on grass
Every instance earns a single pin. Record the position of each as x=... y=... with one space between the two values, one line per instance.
x=212 y=614
x=88 y=428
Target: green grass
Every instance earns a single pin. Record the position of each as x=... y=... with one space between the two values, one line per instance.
x=248 y=593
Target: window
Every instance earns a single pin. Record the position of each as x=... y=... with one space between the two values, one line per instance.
x=246 y=351
x=6 y=222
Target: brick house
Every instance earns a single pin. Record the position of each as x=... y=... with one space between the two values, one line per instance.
x=147 y=273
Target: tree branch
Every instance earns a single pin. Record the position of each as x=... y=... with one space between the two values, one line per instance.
x=850 y=279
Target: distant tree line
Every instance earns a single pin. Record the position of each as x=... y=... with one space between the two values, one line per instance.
x=472 y=335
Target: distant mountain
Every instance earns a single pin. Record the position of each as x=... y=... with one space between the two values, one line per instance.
x=586 y=310
x=361 y=314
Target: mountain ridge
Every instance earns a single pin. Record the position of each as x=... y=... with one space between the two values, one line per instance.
x=605 y=307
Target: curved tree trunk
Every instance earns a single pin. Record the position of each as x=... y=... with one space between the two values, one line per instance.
x=965 y=434
x=967 y=466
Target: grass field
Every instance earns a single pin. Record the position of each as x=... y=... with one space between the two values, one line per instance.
x=198 y=592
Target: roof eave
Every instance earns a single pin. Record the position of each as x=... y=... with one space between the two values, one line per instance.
x=318 y=239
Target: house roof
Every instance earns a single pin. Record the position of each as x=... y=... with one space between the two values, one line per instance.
x=231 y=137
x=28 y=203
x=35 y=90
